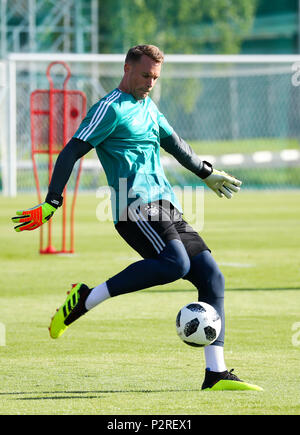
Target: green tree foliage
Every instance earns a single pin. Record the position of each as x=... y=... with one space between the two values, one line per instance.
x=177 y=26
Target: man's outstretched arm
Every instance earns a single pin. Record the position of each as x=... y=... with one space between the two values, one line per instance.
x=221 y=183
x=32 y=218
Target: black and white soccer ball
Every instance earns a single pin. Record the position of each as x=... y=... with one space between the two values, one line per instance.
x=198 y=324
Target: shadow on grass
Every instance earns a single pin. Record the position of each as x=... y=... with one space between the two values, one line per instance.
x=162 y=290
x=82 y=394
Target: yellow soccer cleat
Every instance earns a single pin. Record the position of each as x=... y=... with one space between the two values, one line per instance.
x=223 y=381
x=71 y=310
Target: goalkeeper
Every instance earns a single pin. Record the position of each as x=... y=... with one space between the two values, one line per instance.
x=127 y=130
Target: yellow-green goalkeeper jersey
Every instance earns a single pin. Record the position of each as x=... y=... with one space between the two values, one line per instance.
x=126 y=134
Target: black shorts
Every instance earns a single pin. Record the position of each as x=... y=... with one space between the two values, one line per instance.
x=150 y=227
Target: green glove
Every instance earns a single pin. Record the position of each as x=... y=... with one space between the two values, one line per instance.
x=33 y=218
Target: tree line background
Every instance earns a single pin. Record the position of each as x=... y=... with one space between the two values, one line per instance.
x=177 y=26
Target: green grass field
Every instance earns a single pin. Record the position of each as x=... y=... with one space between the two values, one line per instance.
x=124 y=357
x=244 y=146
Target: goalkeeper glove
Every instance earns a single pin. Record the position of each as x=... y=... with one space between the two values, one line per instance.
x=222 y=183
x=33 y=218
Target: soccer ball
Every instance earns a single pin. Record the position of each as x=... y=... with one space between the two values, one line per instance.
x=198 y=324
